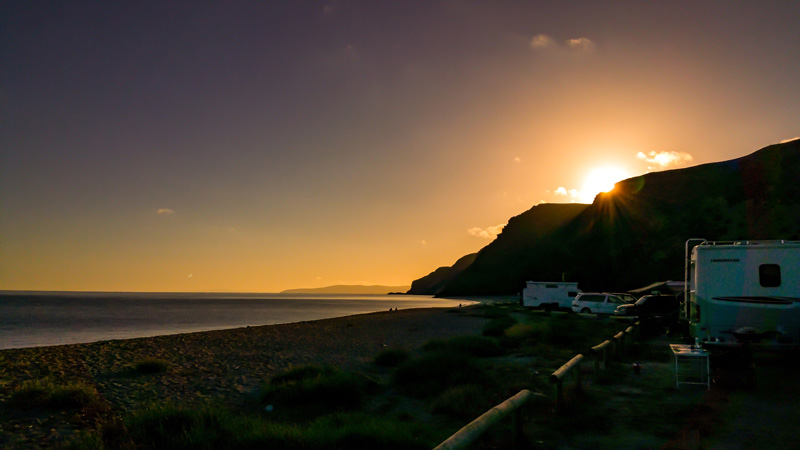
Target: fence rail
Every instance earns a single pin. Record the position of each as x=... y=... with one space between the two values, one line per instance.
x=557 y=378
x=472 y=431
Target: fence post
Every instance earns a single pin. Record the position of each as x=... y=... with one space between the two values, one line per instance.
x=620 y=338
x=469 y=433
x=558 y=376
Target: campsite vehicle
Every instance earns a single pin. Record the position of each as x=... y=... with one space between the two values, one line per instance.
x=744 y=292
x=598 y=303
x=652 y=307
x=549 y=295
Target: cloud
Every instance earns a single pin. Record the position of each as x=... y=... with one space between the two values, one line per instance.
x=789 y=140
x=423 y=242
x=572 y=193
x=581 y=44
x=488 y=232
x=665 y=160
x=542 y=41
x=517 y=159
x=165 y=211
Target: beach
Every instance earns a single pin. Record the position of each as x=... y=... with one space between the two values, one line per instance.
x=222 y=366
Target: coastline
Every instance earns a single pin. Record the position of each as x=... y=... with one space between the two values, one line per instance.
x=225 y=366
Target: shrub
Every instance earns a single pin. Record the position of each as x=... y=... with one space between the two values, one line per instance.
x=480 y=346
x=525 y=331
x=391 y=357
x=320 y=389
x=464 y=401
x=497 y=326
x=150 y=366
x=45 y=394
x=435 y=371
x=169 y=427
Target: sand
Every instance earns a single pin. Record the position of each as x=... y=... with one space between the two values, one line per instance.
x=225 y=366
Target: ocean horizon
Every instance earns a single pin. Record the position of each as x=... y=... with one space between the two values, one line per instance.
x=46 y=318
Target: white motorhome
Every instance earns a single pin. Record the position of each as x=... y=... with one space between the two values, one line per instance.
x=549 y=295
x=744 y=291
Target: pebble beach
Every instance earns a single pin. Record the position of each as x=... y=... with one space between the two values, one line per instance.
x=223 y=366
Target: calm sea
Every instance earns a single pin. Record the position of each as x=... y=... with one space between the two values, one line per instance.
x=38 y=319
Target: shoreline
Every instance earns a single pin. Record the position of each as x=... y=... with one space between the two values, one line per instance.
x=45 y=320
x=225 y=367
x=237 y=359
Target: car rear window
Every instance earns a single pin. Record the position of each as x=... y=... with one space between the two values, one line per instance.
x=592 y=298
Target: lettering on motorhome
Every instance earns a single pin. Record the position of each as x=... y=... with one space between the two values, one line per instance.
x=725 y=260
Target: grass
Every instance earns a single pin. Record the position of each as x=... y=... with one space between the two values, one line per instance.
x=496 y=327
x=150 y=366
x=478 y=346
x=435 y=371
x=466 y=401
x=171 y=427
x=313 y=390
x=391 y=357
x=45 y=394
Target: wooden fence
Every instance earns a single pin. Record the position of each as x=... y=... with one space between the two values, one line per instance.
x=472 y=431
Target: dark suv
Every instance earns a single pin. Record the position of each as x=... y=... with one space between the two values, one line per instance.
x=658 y=307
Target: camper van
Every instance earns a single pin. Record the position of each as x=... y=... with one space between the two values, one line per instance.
x=746 y=291
x=549 y=295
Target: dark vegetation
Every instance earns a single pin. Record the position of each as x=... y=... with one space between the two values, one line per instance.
x=407 y=398
x=635 y=234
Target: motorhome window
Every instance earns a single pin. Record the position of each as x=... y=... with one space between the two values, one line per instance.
x=769 y=275
x=551 y=286
x=572 y=294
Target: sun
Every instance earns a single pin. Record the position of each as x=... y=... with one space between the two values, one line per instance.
x=601 y=179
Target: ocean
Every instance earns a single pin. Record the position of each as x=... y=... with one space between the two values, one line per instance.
x=34 y=319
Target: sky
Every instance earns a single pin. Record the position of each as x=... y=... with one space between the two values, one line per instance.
x=261 y=146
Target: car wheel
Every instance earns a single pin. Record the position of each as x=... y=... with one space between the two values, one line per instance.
x=586 y=311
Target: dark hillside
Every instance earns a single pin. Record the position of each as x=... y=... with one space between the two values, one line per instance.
x=635 y=234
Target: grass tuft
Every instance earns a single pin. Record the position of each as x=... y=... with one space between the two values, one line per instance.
x=479 y=346
x=391 y=357
x=497 y=326
x=464 y=401
x=170 y=427
x=434 y=372
x=313 y=390
x=34 y=394
x=150 y=366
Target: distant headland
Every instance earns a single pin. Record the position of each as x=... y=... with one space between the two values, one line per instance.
x=350 y=289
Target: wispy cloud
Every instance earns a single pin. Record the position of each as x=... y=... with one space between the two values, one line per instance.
x=581 y=44
x=517 y=159
x=789 y=140
x=665 y=160
x=542 y=41
x=488 y=232
x=165 y=211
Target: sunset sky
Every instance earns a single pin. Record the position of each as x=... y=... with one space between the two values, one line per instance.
x=262 y=146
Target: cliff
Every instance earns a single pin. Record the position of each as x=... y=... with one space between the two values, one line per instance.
x=635 y=234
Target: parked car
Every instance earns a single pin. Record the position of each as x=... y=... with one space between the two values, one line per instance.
x=664 y=307
x=598 y=303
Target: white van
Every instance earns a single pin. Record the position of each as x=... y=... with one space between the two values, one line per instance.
x=549 y=295
x=597 y=303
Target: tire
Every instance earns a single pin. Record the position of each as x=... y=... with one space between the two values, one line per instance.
x=586 y=311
